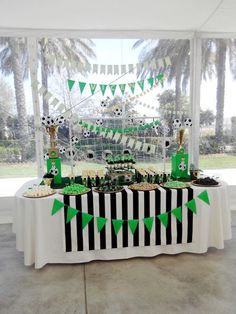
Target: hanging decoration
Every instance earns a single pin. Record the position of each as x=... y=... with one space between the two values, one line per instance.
x=133 y=223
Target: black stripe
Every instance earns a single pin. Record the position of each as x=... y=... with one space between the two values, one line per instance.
x=67 y=225
x=179 y=224
x=190 y=218
x=102 y=214
x=168 y=209
x=78 y=204
x=92 y=222
x=146 y=214
x=136 y=216
x=125 y=217
x=113 y=216
x=157 y=212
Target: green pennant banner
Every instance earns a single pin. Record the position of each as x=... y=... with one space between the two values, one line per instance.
x=204 y=197
x=133 y=223
x=103 y=88
x=122 y=88
x=86 y=219
x=163 y=218
x=70 y=84
x=178 y=213
x=151 y=81
x=132 y=86
x=101 y=221
x=57 y=205
x=141 y=84
x=113 y=88
x=148 y=221
x=82 y=86
x=93 y=87
x=160 y=78
x=117 y=223
x=192 y=205
x=71 y=212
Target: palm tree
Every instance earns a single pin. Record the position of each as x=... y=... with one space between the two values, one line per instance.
x=78 y=50
x=13 y=60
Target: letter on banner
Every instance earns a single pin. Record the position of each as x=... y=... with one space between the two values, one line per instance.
x=153 y=65
x=102 y=69
x=123 y=68
x=117 y=137
x=160 y=63
x=167 y=61
x=138 y=145
x=116 y=69
x=124 y=139
x=131 y=68
x=131 y=142
x=139 y=67
x=109 y=69
x=95 y=68
x=54 y=102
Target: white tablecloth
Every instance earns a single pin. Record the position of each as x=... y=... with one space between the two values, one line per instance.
x=39 y=235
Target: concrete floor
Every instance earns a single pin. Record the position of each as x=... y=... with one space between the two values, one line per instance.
x=185 y=283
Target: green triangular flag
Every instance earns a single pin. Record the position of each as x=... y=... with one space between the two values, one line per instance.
x=92 y=87
x=82 y=86
x=133 y=223
x=151 y=81
x=148 y=221
x=103 y=88
x=70 y=84
x=101 y=221
x=112 y=88
x=160 y=78
x=163 y=218
x=57 y=205
x=204 y=197
x=117 y=223
x=122 y=88
x=141 y=84
x=192 y=206
x=71 y=212
x=178 y=213
x=86 y=219
x=132 y=86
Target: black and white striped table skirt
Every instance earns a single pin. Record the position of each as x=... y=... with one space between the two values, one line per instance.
x=128 y=205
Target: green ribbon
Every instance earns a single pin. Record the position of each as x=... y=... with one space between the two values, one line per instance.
x=103 y=88
x=133 y=223
x=86 y=218
x=141 y=84
x=93 y=87
x=112 y=88
x=151 y=81
x=163 y=218
x=70 y=84
x=117 y=224
x=82 y=86
x=71 y=212
x=192 y=206
x=122 y=88
x=101 y=221
x=177 y=212
x=148 y=221
x=132 y=86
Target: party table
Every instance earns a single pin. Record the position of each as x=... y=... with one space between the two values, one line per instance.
x=130 y=225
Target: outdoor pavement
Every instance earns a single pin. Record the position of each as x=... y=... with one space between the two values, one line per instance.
x=185 y=283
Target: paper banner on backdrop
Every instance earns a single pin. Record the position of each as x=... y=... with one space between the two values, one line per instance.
x=42 y=90
x=131 y=142
x=122 y=88
x=141 y=84
x=103 y=88
x=160 y=63
x=95 y=68
x=138 y=145
x=151 y=81
x=67 y=114
x=133 y=223
x=131 y=68
x=163 y=218
x=101 y=221
x=112 y=88
x=70 y=83
x=148 y=223
x=123 y=69
x=71 y=212
x=132 y=86
x=116 y=137
x=87 y=67
x=139 y=67
x=152 y=149
x=146 y=148
x=177 y=212
x=204 y=197
x=124 y=139
x=153 y=65
x=86 y=219
x=117 y=224
x=54 y=102
x=116 y=69
x=109 y=69
x=82 y=86
x=92 y=87
x=192 y=206
x=102 y=69
x=57 y=205
x=47 y=96
x=61 y=107
x=167 y=61
x=110 y=135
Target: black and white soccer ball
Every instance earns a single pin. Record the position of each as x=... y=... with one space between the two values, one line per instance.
x=46 y=156
x=103 y=103
x=106 y=153
x=167 y=143
x=130 y=119
x=182 y=166
x=127 y=151
x=86 y=133
x=177 y=124
x=74 y=140
x=90 y=155
x=188 y=122
x=47 y=121
x=62 y=150
x=70 y=152
x=60 y=120
x=141 y=122
x=99 y=122
x=54 y=171
x=117 y=112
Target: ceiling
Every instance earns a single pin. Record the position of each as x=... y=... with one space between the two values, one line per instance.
x=106 y=16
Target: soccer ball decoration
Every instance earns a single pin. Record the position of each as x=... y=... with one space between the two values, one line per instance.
x=117 y=112
x=90 y=155
x=106 y=153
x=49 y=121
x=141 y=122
x=70 y=153
x=188 y=122
x=105 y=103
x=127 y=151
x=60 y=120
x=54 y=171
x=182 y=166
x=99 y=122
x=86 y=133
x=130 y=119
x=74 y=140
x=62 y=150
x=46 y=156
x=177 y=124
